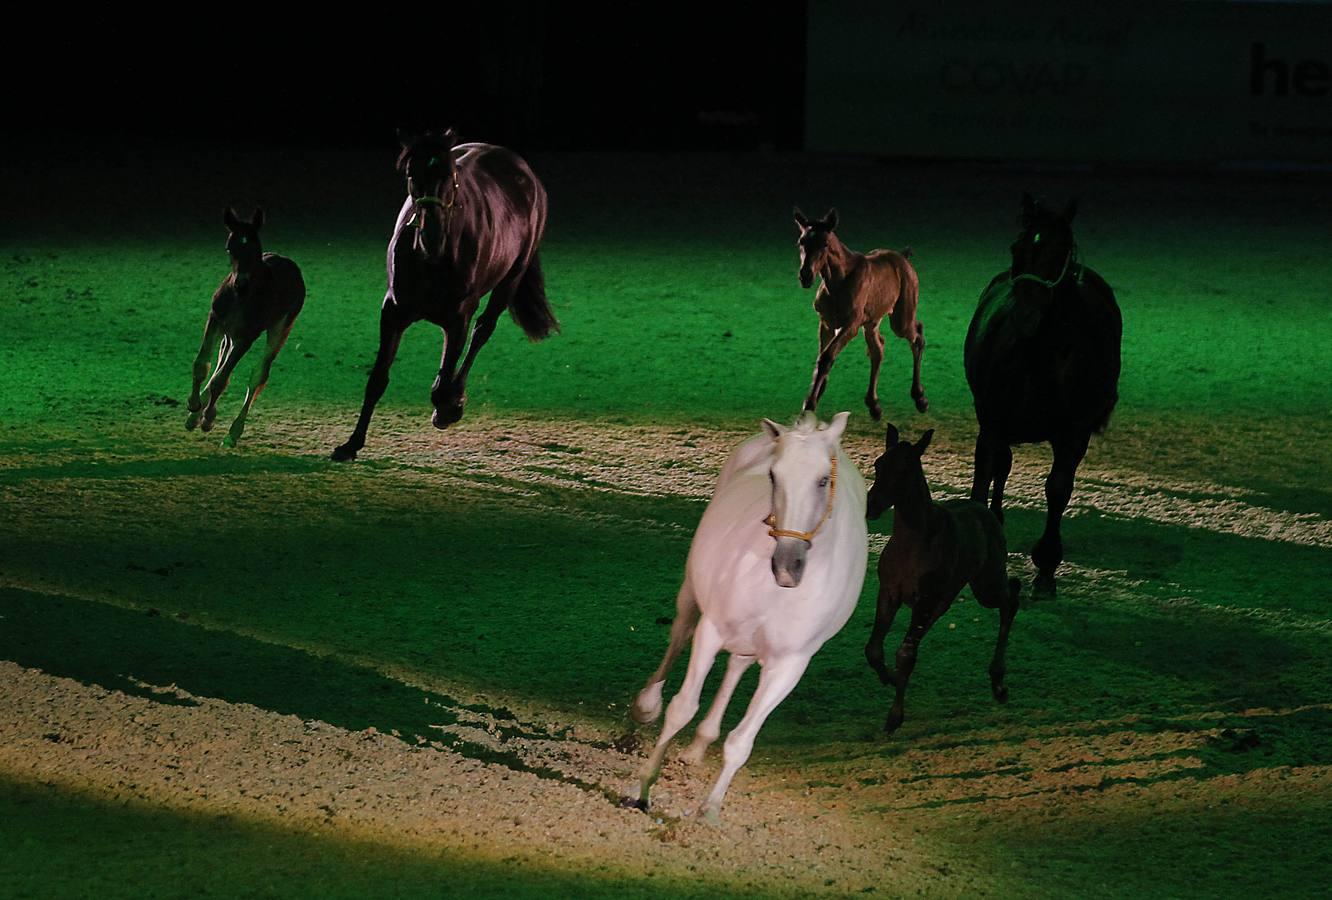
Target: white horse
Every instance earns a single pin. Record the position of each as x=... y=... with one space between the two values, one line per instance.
x=774 y=570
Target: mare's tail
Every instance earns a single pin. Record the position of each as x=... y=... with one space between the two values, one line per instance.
x=529 y=306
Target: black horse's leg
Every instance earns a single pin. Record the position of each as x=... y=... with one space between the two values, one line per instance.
x=448 y=408
x=212 y=337
x=884 y=613
x=1049 y=550
x=391 y=328
x=1002 y=458
x=1008 y=608
x=922 y=617
x=456 y=397
x=827 y=356
x=233 y=351
x=874 y=346
x=277 y=337
x=917 y=352
x=983 y=473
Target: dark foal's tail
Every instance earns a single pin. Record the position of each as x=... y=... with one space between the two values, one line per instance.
x=529 y=306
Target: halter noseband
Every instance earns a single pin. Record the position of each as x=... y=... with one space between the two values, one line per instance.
x=807 y=536
x=1068 y=261
x=450 y=205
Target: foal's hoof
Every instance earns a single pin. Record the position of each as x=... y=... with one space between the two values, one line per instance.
x=637 y=803
x=922 y=404
x=710 y=815
x=446 y=415
x=1000 y=692
x=345 y=453
x=1043 y=586
x=875 y=411
x=229 y=442
x=206 y=425
x=192 y=421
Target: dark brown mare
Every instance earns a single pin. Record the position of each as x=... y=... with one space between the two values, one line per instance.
x=262 y=295
x=470 y=226
x=936 y=549
x=857 y=291
x=1042 y=359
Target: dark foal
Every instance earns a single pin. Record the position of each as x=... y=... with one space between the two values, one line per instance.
x=470 y=226
x=1042 y=359
x=857 y=291
x=262 y=295
x=935 y=550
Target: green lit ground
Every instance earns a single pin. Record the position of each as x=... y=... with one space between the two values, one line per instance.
x=1170 y=721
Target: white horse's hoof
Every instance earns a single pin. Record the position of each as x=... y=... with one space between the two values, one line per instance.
x=694 y=753
x=647 y=705
x=710 y=815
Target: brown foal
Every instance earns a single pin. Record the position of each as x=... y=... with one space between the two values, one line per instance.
x=858 y=290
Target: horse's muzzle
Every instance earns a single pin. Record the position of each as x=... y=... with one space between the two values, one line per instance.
x=806 y=278
x=788 y=562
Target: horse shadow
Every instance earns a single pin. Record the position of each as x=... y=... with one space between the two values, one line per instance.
x=140 y=653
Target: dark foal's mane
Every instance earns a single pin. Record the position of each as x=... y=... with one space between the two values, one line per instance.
x=936 y=549
x=1042 y=359
x=470 y=226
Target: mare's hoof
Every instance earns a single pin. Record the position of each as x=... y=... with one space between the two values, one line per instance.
x=229 y=442
x=192 y=421
x=1000 y=693
x=1043 y=586
x=922 y=404
x=206 y=425
x=345 y=453
x=637 y=803
x=876 y=412
x=893 y=723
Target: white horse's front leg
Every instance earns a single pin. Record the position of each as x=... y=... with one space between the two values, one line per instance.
x=775 y=683
x=710 y=728
x=647 y=705
x=683 y=706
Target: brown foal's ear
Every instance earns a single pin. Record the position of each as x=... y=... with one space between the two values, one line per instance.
x=406 y=137
x=1070 y=210
x=230 y=219
x=924 y=442
x=800 y=218
x=1028 y=203
x=890 y=436
x=830 y=220
x=257 y=220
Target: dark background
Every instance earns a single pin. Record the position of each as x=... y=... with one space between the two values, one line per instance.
x=535 y=75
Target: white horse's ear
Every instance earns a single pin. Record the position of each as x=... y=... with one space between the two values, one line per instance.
x=836 y=427
x=774 y=430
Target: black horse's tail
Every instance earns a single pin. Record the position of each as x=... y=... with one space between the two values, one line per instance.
x=529 y=306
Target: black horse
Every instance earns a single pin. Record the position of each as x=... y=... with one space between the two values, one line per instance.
x=470 y=226
x=1042 y=359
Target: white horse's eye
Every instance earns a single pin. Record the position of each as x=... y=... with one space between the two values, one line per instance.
x=823 y=482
